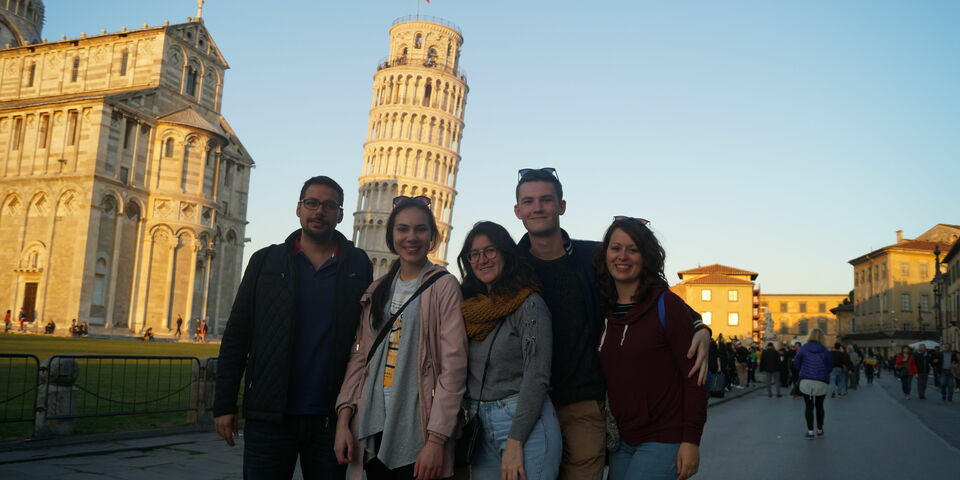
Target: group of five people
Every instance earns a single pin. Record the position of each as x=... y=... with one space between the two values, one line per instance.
x=543 y=341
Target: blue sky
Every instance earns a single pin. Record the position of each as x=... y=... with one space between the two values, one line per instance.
x=781 y=137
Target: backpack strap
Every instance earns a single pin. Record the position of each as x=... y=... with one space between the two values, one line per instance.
x=661 y=310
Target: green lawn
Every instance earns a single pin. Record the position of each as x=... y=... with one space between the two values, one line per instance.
x=105 y=386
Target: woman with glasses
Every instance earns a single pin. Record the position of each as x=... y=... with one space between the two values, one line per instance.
x=659 y=410
x=510 y=334
x=398 y=405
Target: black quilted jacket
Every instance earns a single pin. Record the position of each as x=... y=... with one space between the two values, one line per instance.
x=258 y=337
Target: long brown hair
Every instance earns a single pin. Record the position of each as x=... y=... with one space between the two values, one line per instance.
x=516 y=274
x=651 y=253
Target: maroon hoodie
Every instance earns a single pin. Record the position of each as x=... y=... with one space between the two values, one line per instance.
x=646 y=366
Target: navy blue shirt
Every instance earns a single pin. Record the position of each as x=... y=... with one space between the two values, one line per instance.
x=313 y=337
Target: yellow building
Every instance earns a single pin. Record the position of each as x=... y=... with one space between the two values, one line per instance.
x=726 y=298
x=793 y=315
x=893 y=294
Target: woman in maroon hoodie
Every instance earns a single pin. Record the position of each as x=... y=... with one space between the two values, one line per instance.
x=660 y=412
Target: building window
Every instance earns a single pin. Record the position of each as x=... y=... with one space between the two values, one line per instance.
x=733 y=318
x=783 y=306
x=822 y=324
x=924 y=303
x=31 y=74
x=905 y=302
x=75 y=71
x=191 y=88
x=803 y=307
x=123 y=62
x=72 y=118
x=418 y=42
x=17 y=133
x=44 y=135
x=904 y=269
x=128 y=131
x=803 y=327
x=707 y=318
x=822 y=307
x=923 y=271
x=733 y=295
x=168 y=148
x=125 y=175
x=706 y=295
x=100 y=283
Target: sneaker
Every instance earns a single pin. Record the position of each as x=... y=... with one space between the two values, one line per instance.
x=778 y=395
x=906 y=397
x=820 y=432
x=809 y=435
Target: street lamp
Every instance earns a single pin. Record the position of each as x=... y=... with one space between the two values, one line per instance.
x=937 y=291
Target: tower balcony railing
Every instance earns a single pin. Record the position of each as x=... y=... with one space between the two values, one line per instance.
x=425 y=62
x=427 y=18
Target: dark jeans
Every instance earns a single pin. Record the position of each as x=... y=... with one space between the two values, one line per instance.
x=905 y=384
x=810 y=403
x=376 y=470
x=922 y=385
x=270 y=450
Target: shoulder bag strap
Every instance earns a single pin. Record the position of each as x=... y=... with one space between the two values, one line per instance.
x=389 y=324
x=486 y=363
x=661 y=310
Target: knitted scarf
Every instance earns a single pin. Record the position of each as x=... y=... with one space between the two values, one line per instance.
x=481 y=313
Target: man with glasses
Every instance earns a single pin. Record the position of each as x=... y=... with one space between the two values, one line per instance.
x=569 y=282
x=289 y=335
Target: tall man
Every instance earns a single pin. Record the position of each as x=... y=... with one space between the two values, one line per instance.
x=569 y=283
x=948 y=360
x=291 y=327
x=922 y=358
x=770 y=365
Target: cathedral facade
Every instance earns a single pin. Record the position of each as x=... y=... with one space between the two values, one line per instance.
x=123 y=190
x=414 y=132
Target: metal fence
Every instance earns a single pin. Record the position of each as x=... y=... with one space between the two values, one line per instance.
x=124 y=385
x=18 y=387
x=53 y=393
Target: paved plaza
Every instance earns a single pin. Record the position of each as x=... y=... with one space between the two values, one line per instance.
x=872 y=433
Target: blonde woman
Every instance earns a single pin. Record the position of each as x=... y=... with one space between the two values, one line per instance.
x=814 y=363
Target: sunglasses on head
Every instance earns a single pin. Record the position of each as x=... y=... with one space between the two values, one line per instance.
x=423 y=200
x=548 y=170
x=641 y=221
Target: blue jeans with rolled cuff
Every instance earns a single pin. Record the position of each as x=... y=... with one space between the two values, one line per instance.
x=541 y=452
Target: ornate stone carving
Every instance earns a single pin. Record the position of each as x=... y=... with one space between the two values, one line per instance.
x=163 y=208
x=188 y=212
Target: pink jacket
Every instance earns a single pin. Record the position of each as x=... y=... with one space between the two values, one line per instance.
x=443 y=366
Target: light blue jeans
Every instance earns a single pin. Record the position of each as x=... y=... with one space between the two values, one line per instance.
x=838 y=377
x=541 y=452
x=647 y=461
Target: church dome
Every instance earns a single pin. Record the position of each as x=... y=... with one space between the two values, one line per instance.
x=21 y=22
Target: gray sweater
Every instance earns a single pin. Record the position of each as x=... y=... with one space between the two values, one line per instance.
x=519 y=363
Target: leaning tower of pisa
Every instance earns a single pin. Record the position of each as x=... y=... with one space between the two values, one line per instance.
x=413 y=137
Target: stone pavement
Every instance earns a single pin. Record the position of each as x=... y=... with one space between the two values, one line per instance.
x=870 y=434
x=187 y=455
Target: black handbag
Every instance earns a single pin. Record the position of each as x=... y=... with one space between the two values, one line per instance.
x=470 y=433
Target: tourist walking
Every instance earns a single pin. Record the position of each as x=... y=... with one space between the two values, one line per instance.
x=6 y=322
x=770 y=365
x=870 y=366
x=290 y=334
x=922 y=359
x=510 y=350
x=659 y=409
x=814 y=363
x=950 y=362
x=905 y=369
x=741 y=357
x=566 y=272
x=179 y=331
x=855 y=361
x=841 y=367
x=397 y=409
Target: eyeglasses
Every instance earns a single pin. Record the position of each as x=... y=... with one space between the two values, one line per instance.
x=489 y=252
x=404 y=199
x=641 y=221
x=312 y=204
x=548 y=170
